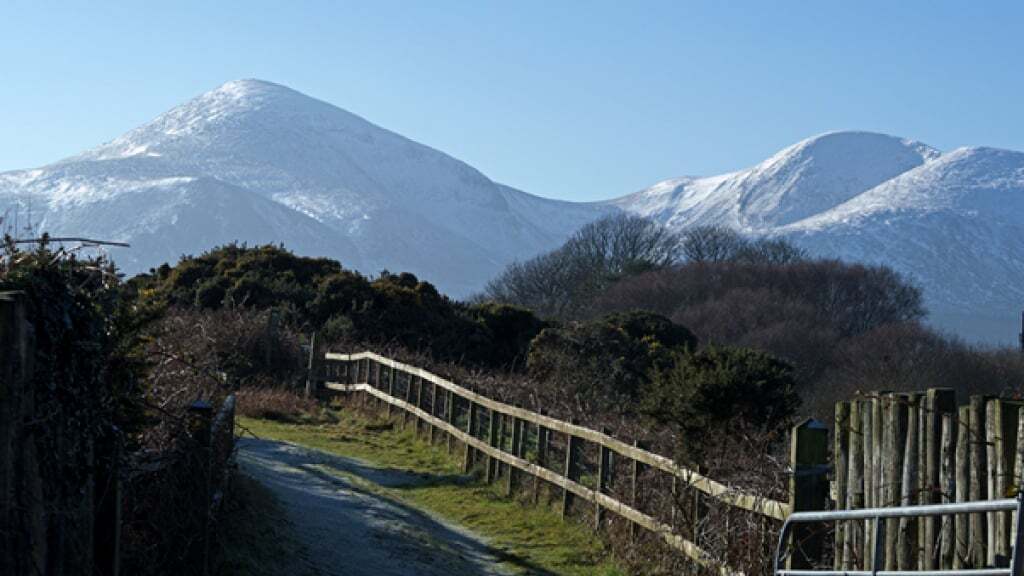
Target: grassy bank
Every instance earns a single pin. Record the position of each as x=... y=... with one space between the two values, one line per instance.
x=533 y=538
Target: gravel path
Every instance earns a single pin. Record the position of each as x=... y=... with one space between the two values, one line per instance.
x=348 y=528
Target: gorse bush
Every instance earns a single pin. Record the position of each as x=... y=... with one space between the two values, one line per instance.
x=609 y=360
x=705 y=390
x=318 y=294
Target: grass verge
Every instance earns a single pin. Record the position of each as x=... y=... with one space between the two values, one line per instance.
x=534 y=539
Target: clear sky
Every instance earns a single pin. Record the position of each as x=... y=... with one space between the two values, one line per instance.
x=578 y=100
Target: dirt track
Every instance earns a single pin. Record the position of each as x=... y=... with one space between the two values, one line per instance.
x=349 y=528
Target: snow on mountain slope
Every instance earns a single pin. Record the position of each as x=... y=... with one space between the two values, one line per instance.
x=268 y=163
x=800 y=181
x=956 y=225
x=258 y=162
x=953 y=222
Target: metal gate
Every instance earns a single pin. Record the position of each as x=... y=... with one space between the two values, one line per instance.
x=878 y=527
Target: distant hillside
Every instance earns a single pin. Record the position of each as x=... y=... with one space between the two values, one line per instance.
x=256 y=162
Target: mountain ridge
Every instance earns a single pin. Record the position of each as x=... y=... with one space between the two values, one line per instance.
x=254 y=161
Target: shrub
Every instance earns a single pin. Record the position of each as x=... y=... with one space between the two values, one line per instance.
x=317 y=294
x=510 y=329
x=701 y=390
x=277 y=403
x=608 y=360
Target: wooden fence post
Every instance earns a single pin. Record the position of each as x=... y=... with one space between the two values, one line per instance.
x=963 y=475
x=1018 y=467
x=391 y=389
x=200 y=417
x=408 y=399
x=376 y=384
x=1002 y=438
x=854 y=544
x=492 y=439
x=992 y=424
x=634 y=489
x=516 y=450
x=979 y=480
x=467 y=460
x=907 y=538
x=808 y=489
x=543 y=438
x=419 y=404
x=895 y=410
x=938 y=401
x=603 y=472
x=450 y=414
x=840 y=461
x=867 y=428
x=311 y=375
x=572 y=468
x=499 y=466
x=946 y=478
x=433 y=410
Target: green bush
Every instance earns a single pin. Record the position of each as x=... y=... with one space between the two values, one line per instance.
x=343 y=305
x=700 y=391
x=509 y=330
x=608 y=360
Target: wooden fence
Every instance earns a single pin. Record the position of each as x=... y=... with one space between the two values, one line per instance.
x=921 y=448
x=47 y=527
x=441 y=408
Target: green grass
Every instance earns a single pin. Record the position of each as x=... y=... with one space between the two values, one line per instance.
x=534 y=539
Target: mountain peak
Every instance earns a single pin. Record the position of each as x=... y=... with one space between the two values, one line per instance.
x=799 y=181
x=251 y=91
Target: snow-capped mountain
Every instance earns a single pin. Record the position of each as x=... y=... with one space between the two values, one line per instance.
x=801 y=181
x=258 y=162
x=953 y=222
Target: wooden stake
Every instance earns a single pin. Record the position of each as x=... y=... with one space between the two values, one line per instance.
x=603 y=471
x=572 y=469
x=978 y=489
x=450 y=413
x=947 y=482
x=855 y=487
x=516 y=450
x=635 y=493
x=494 y=418
x=467 y=459
x=840 y=462
x=907 y=543
x=963 y=474
x=542 y=455
x=808 y=489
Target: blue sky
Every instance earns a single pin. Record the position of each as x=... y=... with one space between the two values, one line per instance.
x=576 y=100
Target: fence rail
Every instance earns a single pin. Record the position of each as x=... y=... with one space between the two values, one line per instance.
x=376 y=375
x=752 y=502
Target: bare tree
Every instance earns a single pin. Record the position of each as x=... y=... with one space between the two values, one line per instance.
x=712 y=244
x=717 y=243
x=562 y=283
x=772 y=251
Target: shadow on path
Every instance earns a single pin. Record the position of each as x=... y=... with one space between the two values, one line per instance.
x=351 y=530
